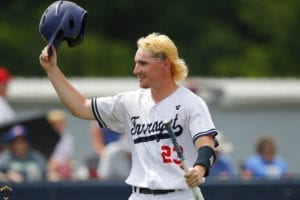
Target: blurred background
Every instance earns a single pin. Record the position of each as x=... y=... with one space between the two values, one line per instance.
x=243 y=57
x=234 y=38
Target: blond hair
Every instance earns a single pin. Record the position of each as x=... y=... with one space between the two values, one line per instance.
x=56 y=115
x=163 y=47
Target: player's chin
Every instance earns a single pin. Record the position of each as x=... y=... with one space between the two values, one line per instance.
x=143 y=84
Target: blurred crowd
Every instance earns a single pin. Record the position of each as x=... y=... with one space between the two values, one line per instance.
x=111 y=158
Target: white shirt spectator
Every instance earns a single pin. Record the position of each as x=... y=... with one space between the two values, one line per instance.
x=64 y=149
x=6 y=112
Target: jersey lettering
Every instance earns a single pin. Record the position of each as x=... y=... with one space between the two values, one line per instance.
x=154 y=130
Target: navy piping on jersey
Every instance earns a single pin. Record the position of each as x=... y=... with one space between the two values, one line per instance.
x=212 y=131
x=97 y=114
x=156 y=137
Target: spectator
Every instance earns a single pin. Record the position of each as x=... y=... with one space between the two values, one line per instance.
x=100 y=138
x=116 y=160
x=6 y=112
x=20 y=162
x=60 y=162
x=223 y=168
x=265 y=163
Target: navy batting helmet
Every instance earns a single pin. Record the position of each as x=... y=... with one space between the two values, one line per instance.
x=63 y=20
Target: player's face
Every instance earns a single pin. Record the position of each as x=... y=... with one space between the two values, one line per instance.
x=149 y=70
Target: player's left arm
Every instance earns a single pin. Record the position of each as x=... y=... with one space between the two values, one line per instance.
x=206 y=156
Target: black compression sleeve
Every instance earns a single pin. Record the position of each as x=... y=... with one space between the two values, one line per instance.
x=206 y=157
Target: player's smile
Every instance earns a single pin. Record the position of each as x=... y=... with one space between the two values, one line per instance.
x=142 y=79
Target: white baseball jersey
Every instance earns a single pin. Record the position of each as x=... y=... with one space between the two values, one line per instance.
x=154 y=161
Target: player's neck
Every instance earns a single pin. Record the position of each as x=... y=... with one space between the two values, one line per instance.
x=158 y=94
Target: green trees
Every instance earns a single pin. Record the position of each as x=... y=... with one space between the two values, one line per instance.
x=249 y=38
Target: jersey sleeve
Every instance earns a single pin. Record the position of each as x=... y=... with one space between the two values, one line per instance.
x=108 y=112
x=200 y=121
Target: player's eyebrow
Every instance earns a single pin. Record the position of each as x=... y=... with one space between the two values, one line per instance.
x=141 y=62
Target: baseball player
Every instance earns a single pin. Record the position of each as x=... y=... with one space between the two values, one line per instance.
x=156 y=172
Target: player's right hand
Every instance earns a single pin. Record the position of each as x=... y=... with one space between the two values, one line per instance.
x=46 y=61
x=194 y=176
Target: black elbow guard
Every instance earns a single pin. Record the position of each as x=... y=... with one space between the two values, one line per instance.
x=206 y=157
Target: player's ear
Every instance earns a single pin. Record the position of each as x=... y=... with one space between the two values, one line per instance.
x=167 y=63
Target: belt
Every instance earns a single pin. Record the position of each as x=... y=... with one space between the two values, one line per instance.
x=149 y=191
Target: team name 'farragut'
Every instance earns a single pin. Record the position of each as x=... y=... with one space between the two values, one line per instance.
x=154 y=130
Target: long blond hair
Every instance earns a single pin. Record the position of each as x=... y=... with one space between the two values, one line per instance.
x=163 y=47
